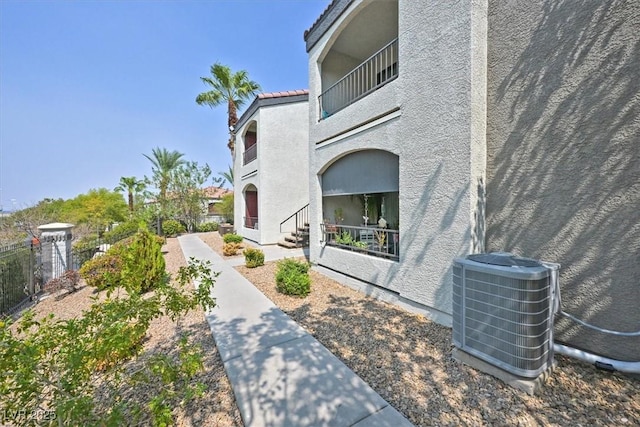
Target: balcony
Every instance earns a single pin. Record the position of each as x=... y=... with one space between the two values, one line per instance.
x=250 y=154
x=374 y=241
x=373 y=73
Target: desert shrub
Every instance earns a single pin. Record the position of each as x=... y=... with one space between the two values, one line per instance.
x=68 y=280
x=232 y=238
x=104 y=271
x=55 y=361
x=171 y=227
x=143 y=266
x=206 y=227
x=230 y=249
x=253 y=257
x=292 y=277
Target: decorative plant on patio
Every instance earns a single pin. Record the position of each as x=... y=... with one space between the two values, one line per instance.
x=381 y=237
x=345 y=238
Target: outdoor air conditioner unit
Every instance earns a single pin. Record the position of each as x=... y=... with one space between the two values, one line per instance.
x=503 y=311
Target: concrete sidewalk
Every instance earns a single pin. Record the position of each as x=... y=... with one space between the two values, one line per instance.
x=281 y=375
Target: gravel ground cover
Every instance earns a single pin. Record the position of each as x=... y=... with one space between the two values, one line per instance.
x=407 y=359
x=217 y=407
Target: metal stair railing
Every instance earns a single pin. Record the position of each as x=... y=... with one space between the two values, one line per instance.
x=301 y=217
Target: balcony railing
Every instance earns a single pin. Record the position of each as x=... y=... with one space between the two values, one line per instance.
x=250 y=154
x=378 y=70
x=375 y=241
x=251 y=222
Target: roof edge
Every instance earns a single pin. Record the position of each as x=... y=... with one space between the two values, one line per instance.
x=324 y=21
x=272 y=98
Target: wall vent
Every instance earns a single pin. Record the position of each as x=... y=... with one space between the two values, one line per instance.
x=503 y=311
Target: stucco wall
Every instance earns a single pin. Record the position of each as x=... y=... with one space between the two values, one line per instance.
x=563 y=144
x=280 y=172
x=284 y=169
x=434 y=122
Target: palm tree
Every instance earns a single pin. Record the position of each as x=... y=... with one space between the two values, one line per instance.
x=132 y=186
x=229 y=87
x=227 y=176
x=164 y=162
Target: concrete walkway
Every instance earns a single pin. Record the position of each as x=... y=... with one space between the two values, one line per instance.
x=281 y=375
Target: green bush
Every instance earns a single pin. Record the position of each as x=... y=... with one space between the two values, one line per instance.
x=53 y=362
x=232 y=238
x=253 y=257
x=292 y=277
x=171 y=227
x=143 y=267
x=345 y=239
x=104 y=271
x=206 y=227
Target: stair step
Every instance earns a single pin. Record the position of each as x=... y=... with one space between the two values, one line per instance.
x=287 y=244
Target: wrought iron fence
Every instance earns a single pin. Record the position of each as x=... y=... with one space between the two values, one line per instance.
x=25 y=266
x=378 y=70
x=381 y=242
x=20 y=276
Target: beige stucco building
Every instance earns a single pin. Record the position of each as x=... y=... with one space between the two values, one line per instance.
x=271 y=165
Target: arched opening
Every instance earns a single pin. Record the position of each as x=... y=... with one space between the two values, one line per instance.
x=363 y=57
x=250 y=138
x=250 y=194
x=360 y=203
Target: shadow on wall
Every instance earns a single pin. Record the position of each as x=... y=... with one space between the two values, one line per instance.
x=427 y=238
x=563 y=156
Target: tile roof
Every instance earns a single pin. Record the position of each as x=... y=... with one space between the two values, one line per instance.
x=215 y=192
x=283 y=94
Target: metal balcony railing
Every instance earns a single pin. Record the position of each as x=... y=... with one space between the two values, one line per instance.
x=251 y=222
x=250 y=154
x=378 y=70
x=375 y=241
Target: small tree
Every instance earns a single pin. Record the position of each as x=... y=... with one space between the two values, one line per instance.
x=186 y=193
x=225 y=207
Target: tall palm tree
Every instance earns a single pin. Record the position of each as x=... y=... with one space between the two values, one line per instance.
x=132 y=186
x=232 y=88
x=164 y=162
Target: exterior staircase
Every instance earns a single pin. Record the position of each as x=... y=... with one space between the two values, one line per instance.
x=297 y=239
x=300 y=237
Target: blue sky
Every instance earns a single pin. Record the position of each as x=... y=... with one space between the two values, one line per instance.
x=87 y=87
